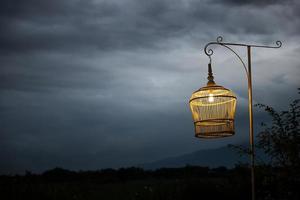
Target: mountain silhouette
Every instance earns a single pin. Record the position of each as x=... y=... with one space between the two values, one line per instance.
x=223 y=156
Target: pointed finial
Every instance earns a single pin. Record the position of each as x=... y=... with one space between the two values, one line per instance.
x=210 y=77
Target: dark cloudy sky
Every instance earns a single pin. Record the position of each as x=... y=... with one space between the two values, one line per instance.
x=94 y=84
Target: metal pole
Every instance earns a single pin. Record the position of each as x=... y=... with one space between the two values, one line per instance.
x=251 y=137
x=209 y=53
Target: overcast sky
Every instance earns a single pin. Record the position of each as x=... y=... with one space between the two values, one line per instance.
x=96 y=84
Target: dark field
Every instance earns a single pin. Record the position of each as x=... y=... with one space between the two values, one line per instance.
x=134 y=183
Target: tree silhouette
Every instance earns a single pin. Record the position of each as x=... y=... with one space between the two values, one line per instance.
x=278 y=176
x=281 y=140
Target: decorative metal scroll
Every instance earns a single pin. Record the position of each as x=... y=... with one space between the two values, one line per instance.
x=209 y=52
x=219 y=41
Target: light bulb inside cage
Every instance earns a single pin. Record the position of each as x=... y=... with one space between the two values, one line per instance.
x=213 y=109
x=211 y=98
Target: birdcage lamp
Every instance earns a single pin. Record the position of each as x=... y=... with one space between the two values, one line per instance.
x=213 y=109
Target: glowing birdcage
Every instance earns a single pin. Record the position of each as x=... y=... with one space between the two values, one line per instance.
x=213 y=110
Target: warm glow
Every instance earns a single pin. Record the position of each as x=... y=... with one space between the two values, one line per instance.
x=211 y=98
x=213 y=109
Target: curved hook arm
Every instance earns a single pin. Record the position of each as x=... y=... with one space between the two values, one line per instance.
x=209 y=52
x=219 y=41
x=239 y=57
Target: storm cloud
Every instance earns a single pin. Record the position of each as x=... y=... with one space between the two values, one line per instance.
x=94 y=84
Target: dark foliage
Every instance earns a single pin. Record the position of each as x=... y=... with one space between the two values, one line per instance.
x=280 y=141
x=187 y=183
